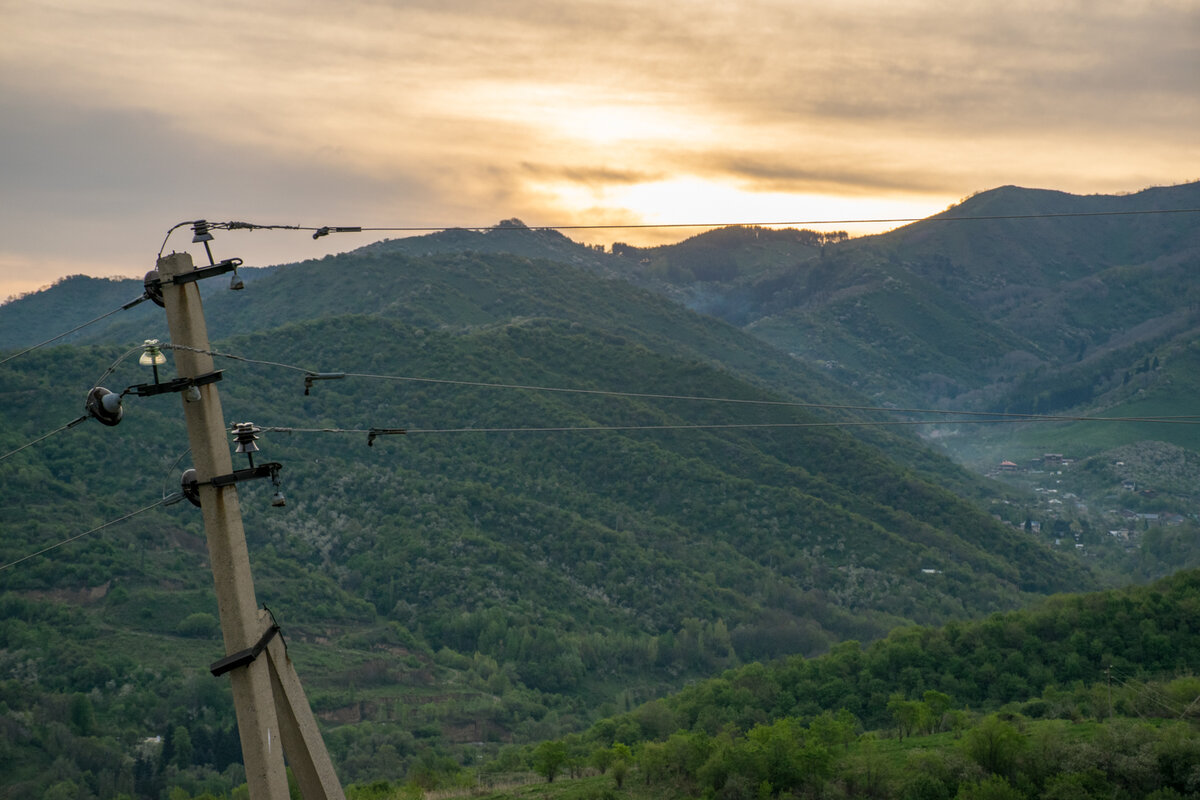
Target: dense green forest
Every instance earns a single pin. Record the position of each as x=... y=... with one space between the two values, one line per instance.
x=1079 y=312
x=435 y=592
x=1079 y=697
x=602 y=498
x=986 y=314
x=1085 y=696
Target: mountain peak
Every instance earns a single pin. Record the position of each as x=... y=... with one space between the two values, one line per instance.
x=1019 y=200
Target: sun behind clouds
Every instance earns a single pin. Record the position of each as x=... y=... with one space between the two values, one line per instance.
x=694 y=200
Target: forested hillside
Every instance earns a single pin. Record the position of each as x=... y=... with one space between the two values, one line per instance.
x=1015 y=300
x=984 y=305
x=471 y=581
x=1084 y=696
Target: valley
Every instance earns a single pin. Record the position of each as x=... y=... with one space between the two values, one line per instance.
x=624 y=473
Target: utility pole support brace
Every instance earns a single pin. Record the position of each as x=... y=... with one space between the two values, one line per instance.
x=267 y=696
x=243 y=658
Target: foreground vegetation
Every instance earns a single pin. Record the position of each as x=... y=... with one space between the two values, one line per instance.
x=996 y=757
x=1082 y=697
x=1085 y=696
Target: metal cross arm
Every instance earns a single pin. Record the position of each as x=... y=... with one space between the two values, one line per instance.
x=153 y=282
x=190 y=484
x=173 y=385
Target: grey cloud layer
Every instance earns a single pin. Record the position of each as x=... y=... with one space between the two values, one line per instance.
x=130 y=116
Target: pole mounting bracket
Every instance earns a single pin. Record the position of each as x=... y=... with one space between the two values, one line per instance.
x=244 y=657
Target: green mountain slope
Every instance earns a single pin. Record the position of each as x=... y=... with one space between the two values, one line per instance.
x=966 y=310
x=760 y=497
x=461 y=290
x=1089 y=695
x=1144 y=632
x=469 y=586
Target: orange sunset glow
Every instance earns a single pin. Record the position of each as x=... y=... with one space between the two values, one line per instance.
x=123 y=117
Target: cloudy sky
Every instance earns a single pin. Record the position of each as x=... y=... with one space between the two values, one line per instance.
x=121 y=118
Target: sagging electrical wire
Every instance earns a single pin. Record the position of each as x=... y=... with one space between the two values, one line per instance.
x=171 y=471
x=311 y=375
x=53 y=339
x=1145 y=690
x=44 y=436
x=175 y=498
x=323 y=230
x=375 y=432
x=113 y=367
x=171 y=230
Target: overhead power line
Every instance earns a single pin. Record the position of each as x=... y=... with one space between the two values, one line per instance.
x=1145 y=690
x=323 y=230
x=988 y=415
x=638 y=225
x=878 y=221
x=52 y=339
x=43 y=437
x=790 y=223
x=112 y=367
x=326 y=229
x=374 y=432
x=164 y=501
x=947 y=416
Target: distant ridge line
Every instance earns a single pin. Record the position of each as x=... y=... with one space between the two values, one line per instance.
x=934 y=218
x=645 y=225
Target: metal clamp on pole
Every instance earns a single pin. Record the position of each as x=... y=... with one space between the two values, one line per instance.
x=373 y=432
x=320 y=376
x=220 y=268
x=244 y=657
x=325 y=230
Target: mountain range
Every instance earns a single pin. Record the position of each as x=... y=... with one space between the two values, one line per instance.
x=622 y=470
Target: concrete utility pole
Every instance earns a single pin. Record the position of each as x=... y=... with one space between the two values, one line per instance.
x=272 y=711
